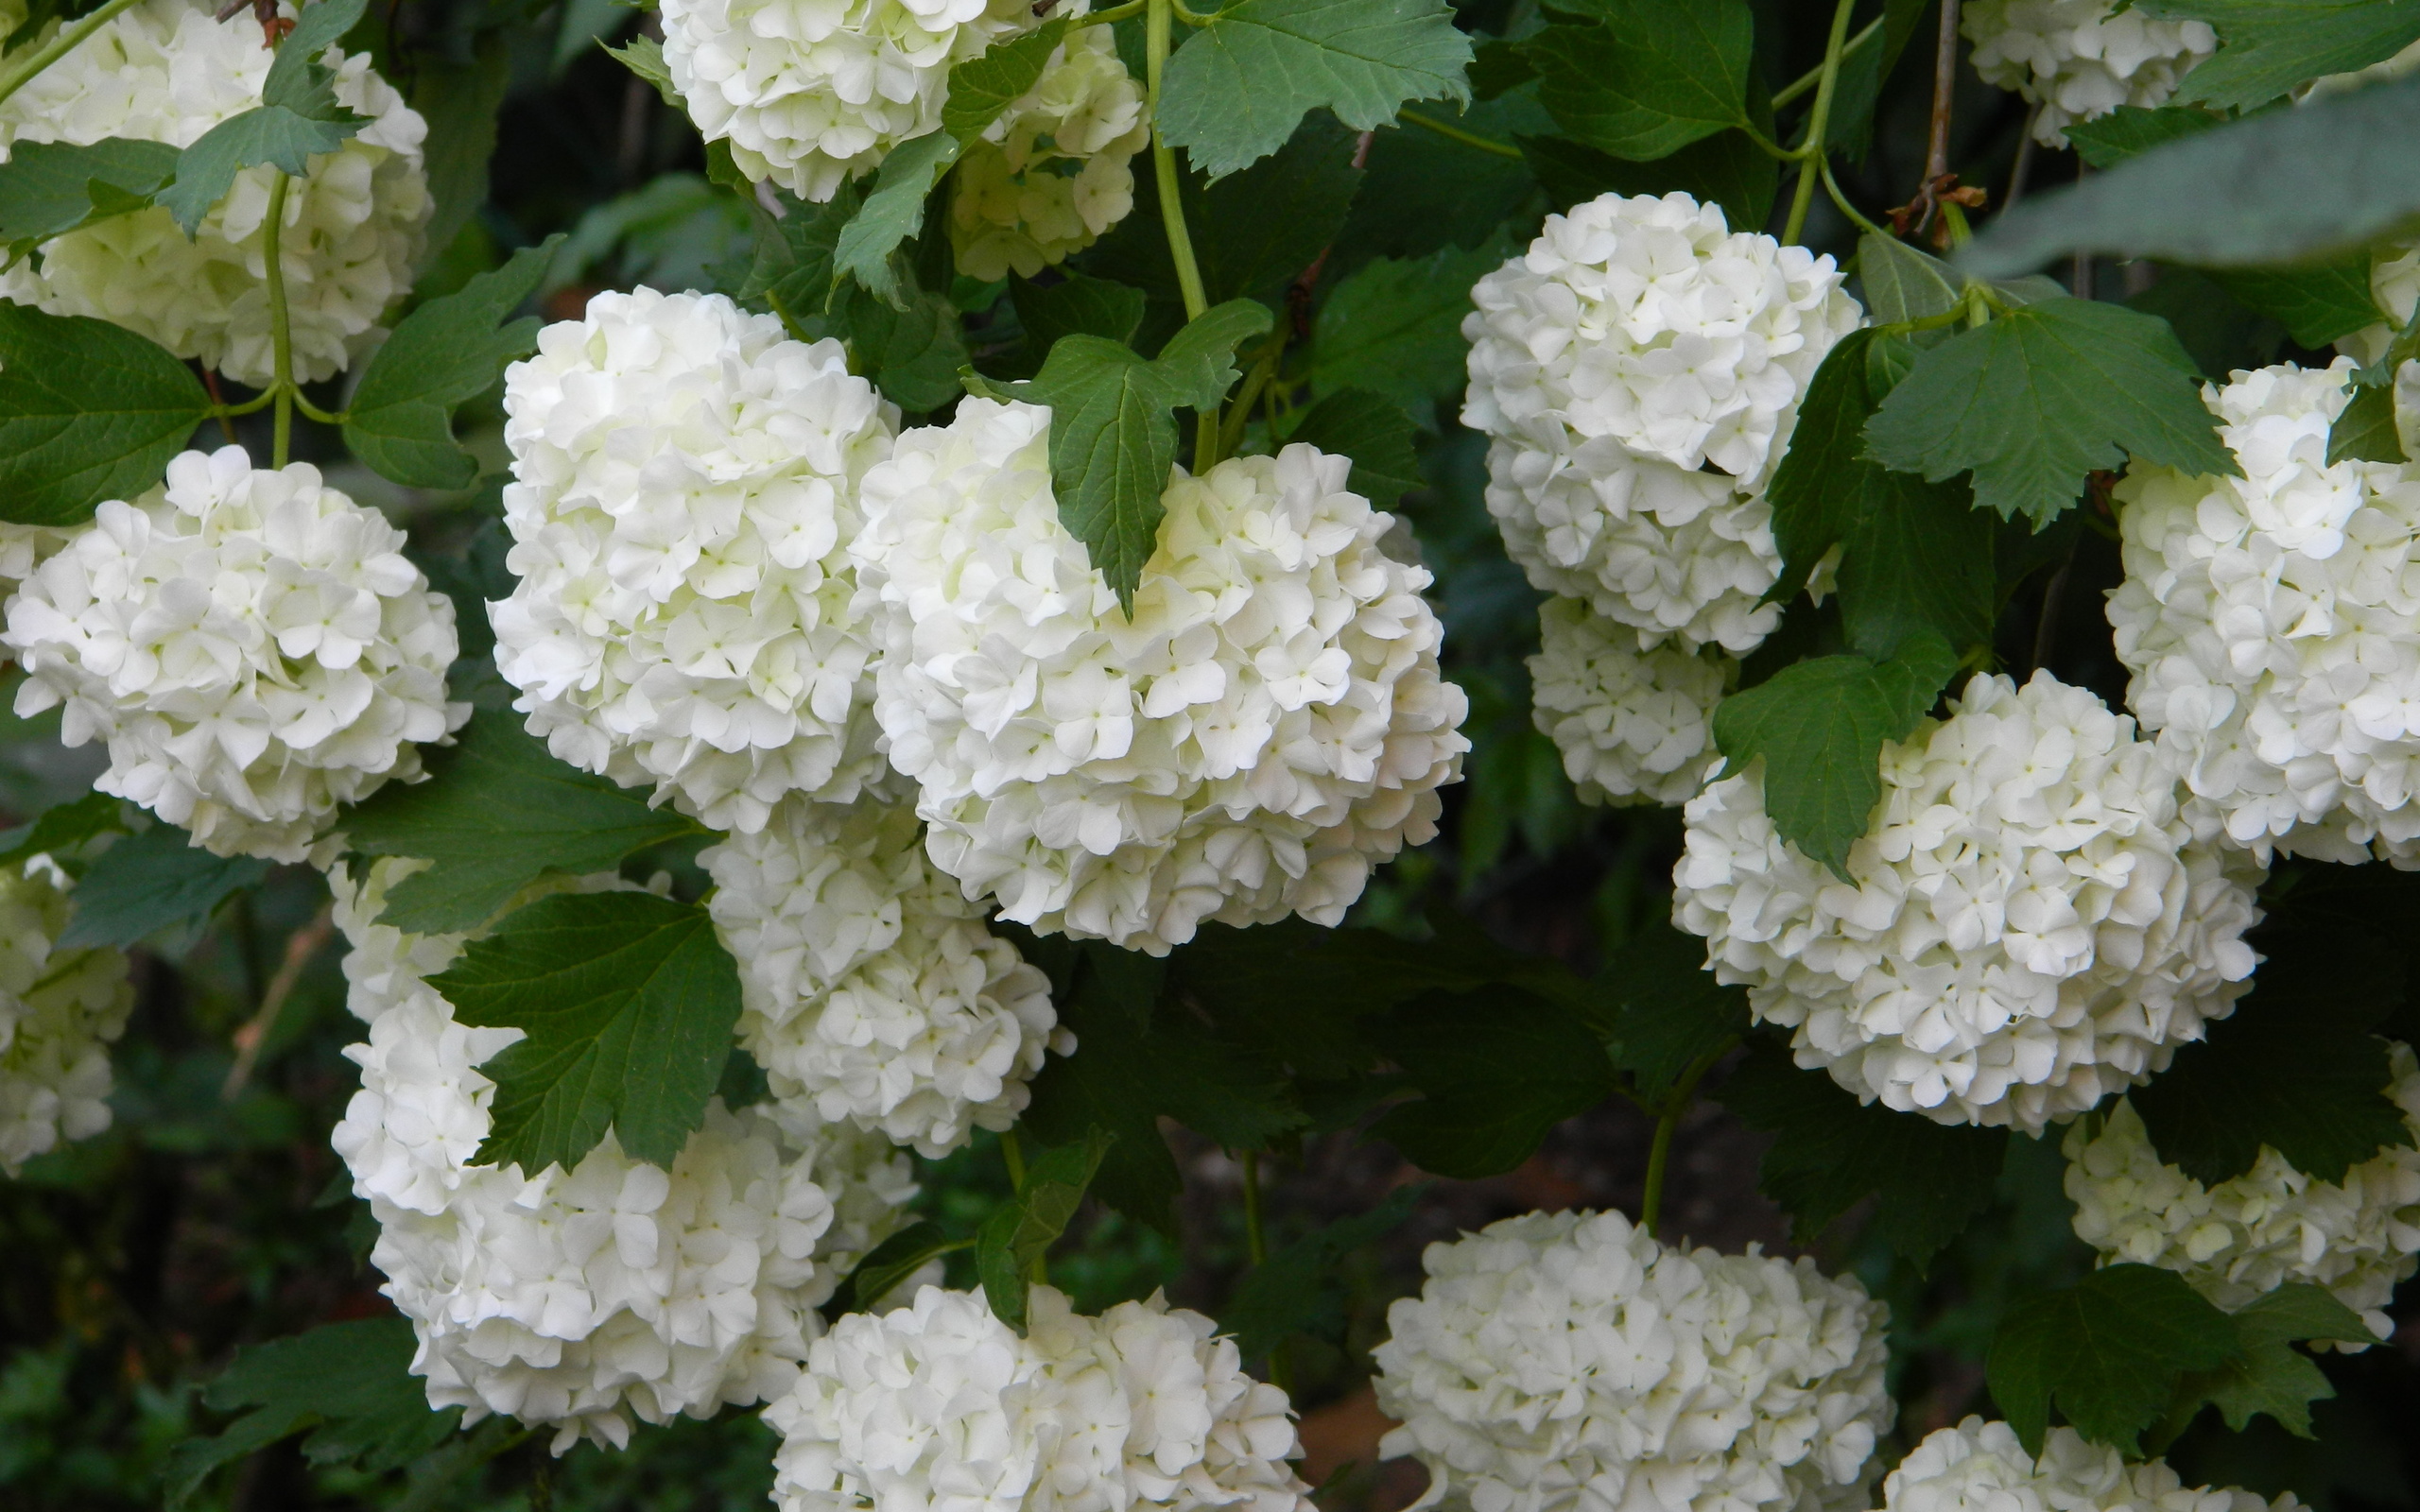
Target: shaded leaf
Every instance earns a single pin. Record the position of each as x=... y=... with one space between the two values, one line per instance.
x=63 y=827
x=1651 y=78
x=1395 y=327
x=1728 y=169
x=888 y=1264
x=1375 y=432
x=2271 y=47
x=1021 y=1230
x=2365 y=429
x=2110 y=1352
x=1297 y=1290
x=2268 y=1376
x=1663 y=1011
x=50 y=188
x=1078 y=304
x=150 y=882
x=793 y=270
x=1495 y=1070
x=460 y=101
x=89 y=411
x=892 y=211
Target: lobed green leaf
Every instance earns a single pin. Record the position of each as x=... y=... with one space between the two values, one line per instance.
x=89 y=412
x=2110 y=1352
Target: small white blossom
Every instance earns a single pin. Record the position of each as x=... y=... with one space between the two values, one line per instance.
x=252 y=645
x=1047 y=177
x=1635 y=726
x=2029 y=923
x=1980 y=1467
x=59 y=1010
x=1267 y=726
x=941 y=1406
x=2271 y=622
x=1561 y=1362
x=2253 y=1233
x=165 y=72
x=811 y=94
x=2080 y=59
x=685 y=495
x=580 y=1299
x=1639 y=371
x=870 y=988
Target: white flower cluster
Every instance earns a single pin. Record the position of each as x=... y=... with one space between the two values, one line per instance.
x=59 y=1010
x=165 y=72
x=811 y=93
x=940 y=1404
x=2080 y=59
x=1638 y=372
x=684 y=496
x=1047 y=177
x=1268 y=725
x=578 y=1298
x=251 y=643
x=1560 y=1362
x=2271 y=622
x=1982 y=1467
x=870 y=988
x=2029 y=924
x=1634 y=725
x=2253 y=1233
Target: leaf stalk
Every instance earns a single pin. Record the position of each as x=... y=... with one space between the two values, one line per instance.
x=281 y=332
x=1455 y=134
x=1817 y=121
x=1188 y=270
x=24 y=71
x=1676 y=1104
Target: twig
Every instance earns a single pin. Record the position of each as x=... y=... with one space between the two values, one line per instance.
x=305 y=943
x=2023 y=171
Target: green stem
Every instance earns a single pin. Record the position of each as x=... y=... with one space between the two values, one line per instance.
x=1455 y=134
x=1817 y=121
x=1676 y=1104
x=1188 y=272
x=312 y=411
x=1115 y=13
x=18 y=75
x=1015 y=1155
x=281 y=335
x=1839 y=201
x=1256 y=1231
x=1815 y=75
x=1191 y=18
x=1239 y=413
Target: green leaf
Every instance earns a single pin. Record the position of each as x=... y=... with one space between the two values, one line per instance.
x=2283 y=187
x=1865 y=66
x=1395 y=327
x=1498 y=68
x=913 y=352
x=1298 y=1290
x=1496 y=1071
x=891 y=214
x=1819 y=490
x=1239 y=85
x=1654 y=77
x=50 y=188
x=442 y=355
x=1728 y=169
x=2365 y=429
x=297 y=120
x=89 y=411
x=2271 y=47
x=793 y=274
x=2131 y=131
x=627 y=1002
x=1078 y=304
x=1021 y=1230
x=2268 y=1375
x=990 y=82
x=1917 y=560
x=63 y=827
x=888 y=1264
x=2316 y=305
x=644 y=55
x=460 y=101
x=1903 y=284
x=150 y=882
x=2214 y=327
x=1375 y=432
x=1422 y=191
x=348 y=1383
x=1819 y=727
x=2110 y=1352
x=1662 y=1010
x=496 y=814
x=2043 y=395
x=1830 y=1152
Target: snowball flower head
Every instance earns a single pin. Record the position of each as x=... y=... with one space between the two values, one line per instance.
x=811 y=94
x=580 y=1299
x=1049 y=177
x=165 y=72
x=1640 y=371
x=941 y=1404
x=2271 y=622
x=2027 y=924
x=1558 y=1362
x=2080 y=59
x=685 y=492
x=59 y=1010
x=1982 y=1467
x=1267 y=725
x=1634 y=725
x=2251 y=1234
x=251 y=643
x=870 y=989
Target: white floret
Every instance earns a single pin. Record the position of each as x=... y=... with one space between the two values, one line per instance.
x=577 y=1299
x=684 y=496
x=811 y=94
x=2253 y=1233
x=252 y=645
x=1639 y=371
x=2272 y=624
x=2029 y=925
x=1980 y=1467
x=60 y=1011
x=165 y=72
x=1561 y=1362
x=1267 y=726
x=2080 y=59
x=1047 y=178
x=1635 y=726
x=940 y=1404
x=870 y=989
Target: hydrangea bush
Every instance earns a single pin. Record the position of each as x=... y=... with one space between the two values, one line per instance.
x=965 y=756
